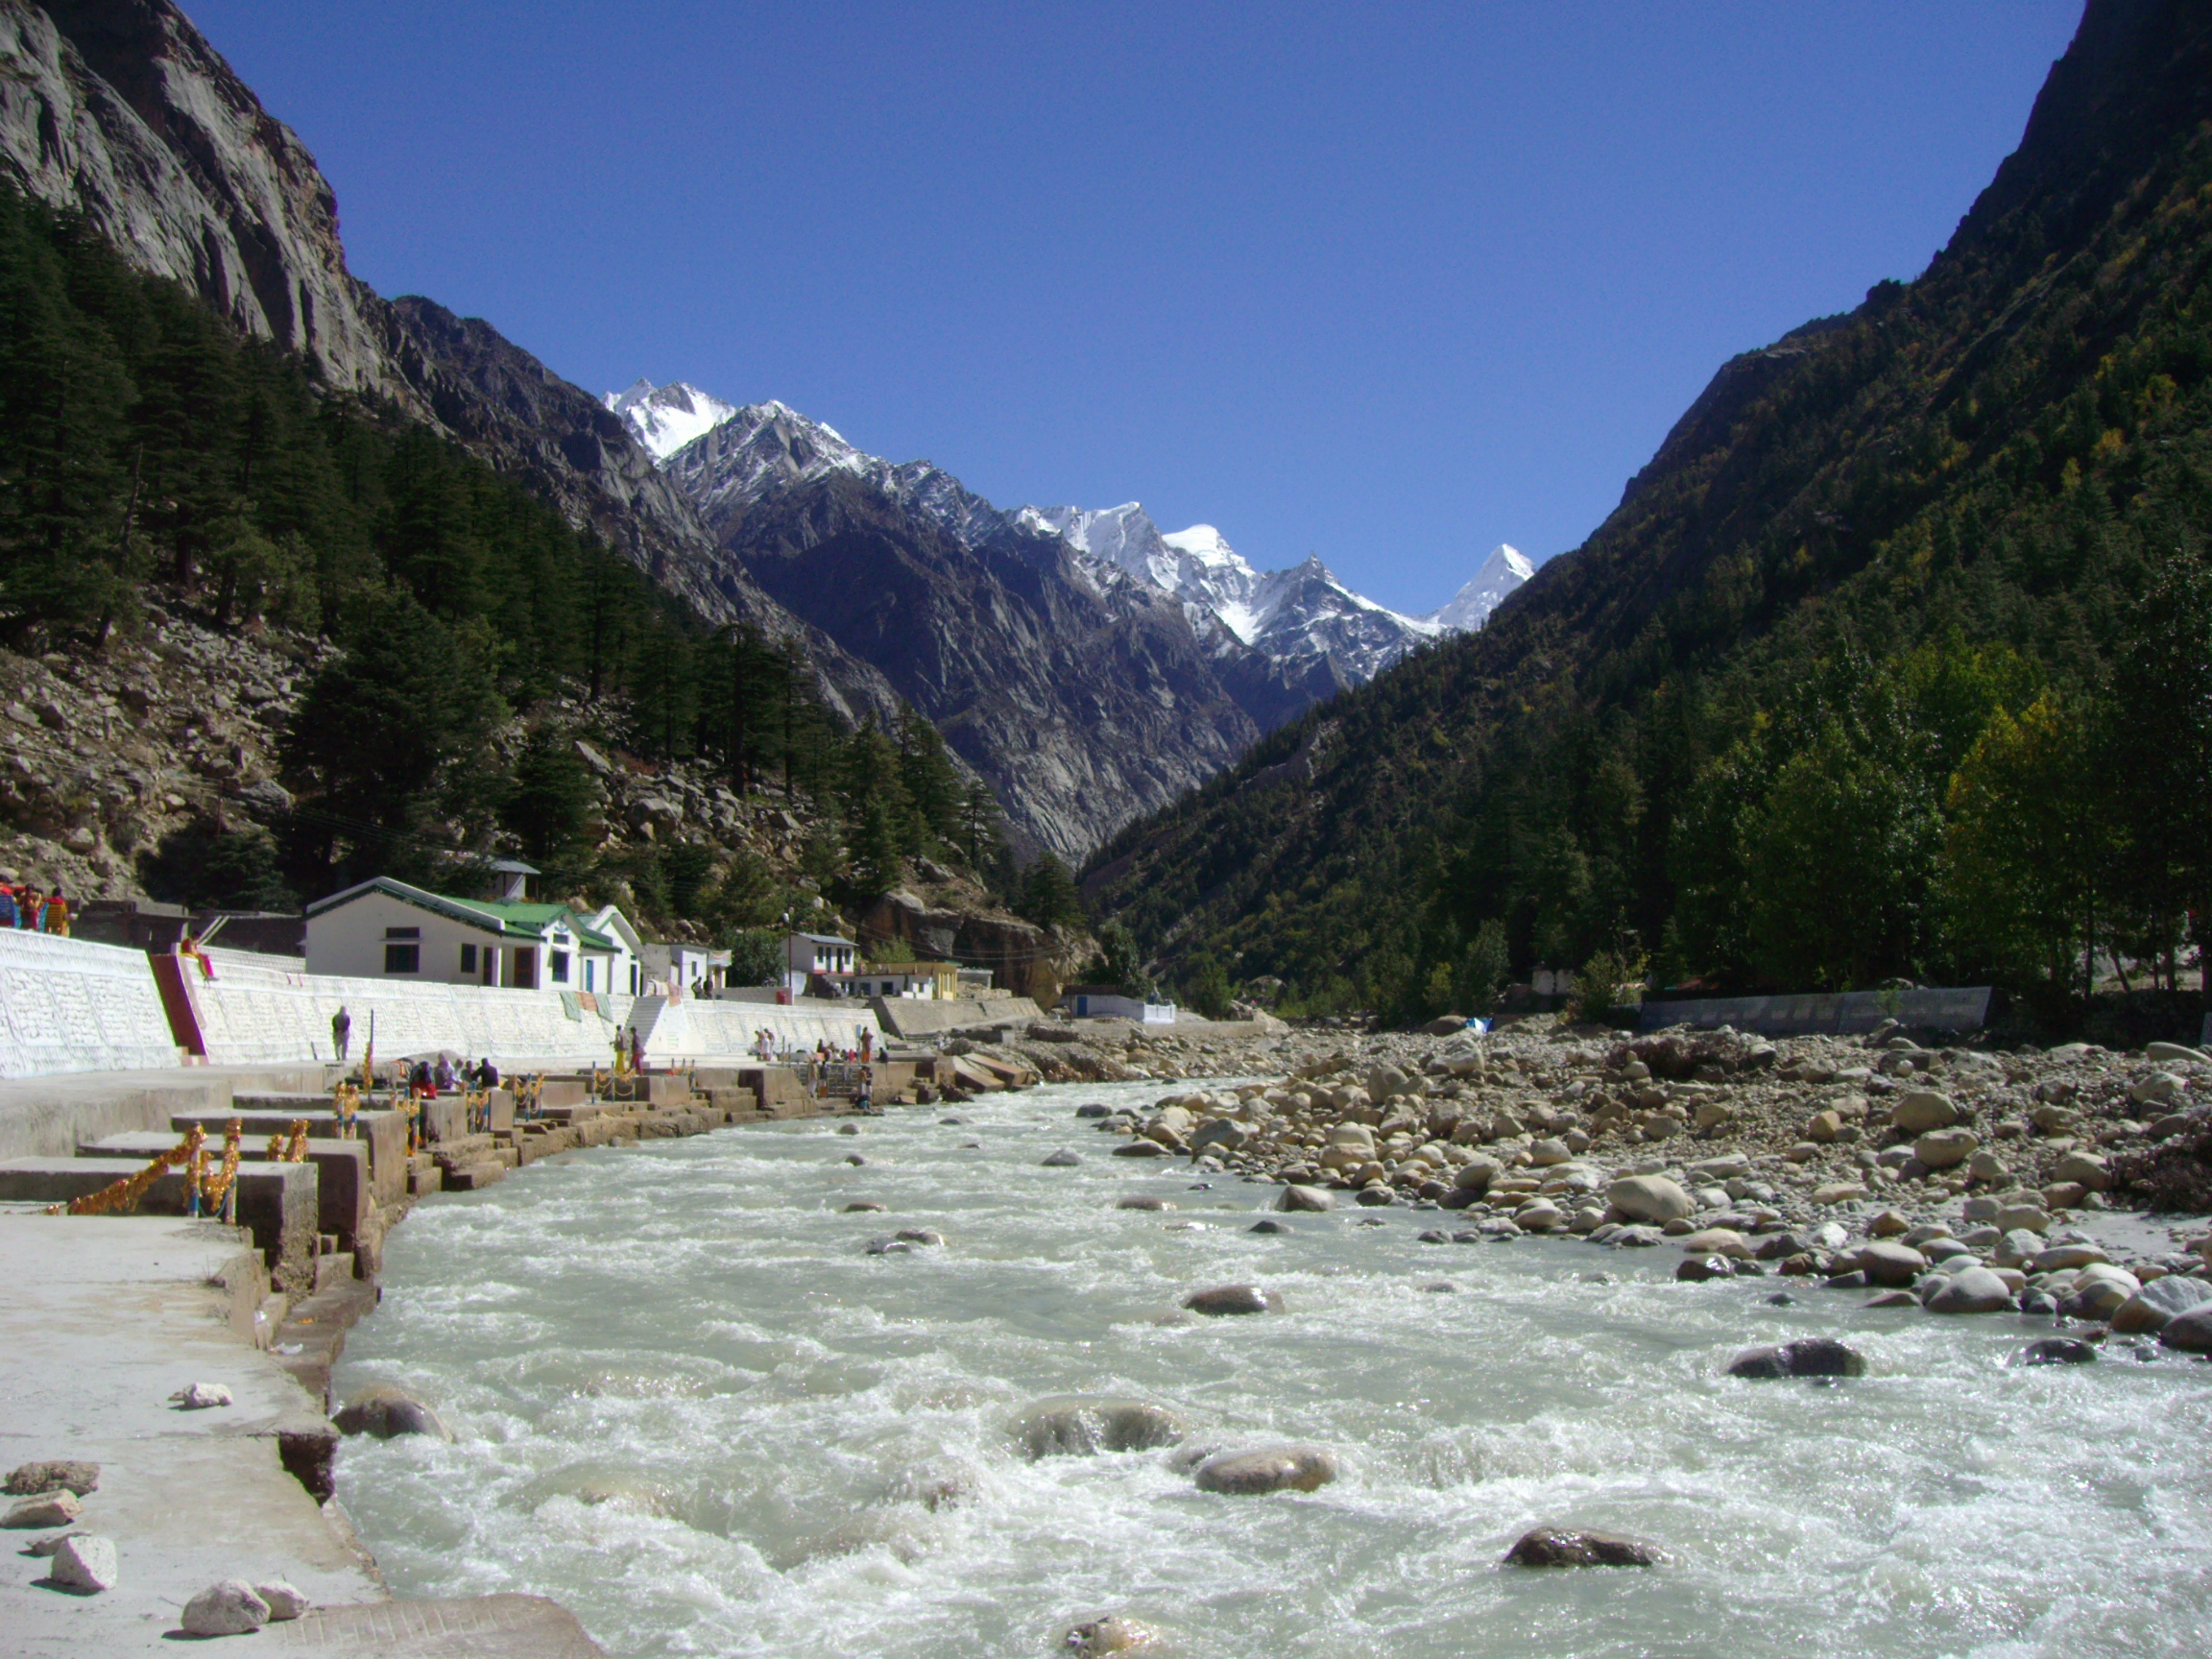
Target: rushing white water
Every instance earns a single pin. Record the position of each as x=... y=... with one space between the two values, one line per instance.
x=691 y=1407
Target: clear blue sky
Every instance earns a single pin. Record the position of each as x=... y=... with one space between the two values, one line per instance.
x=1386 y=282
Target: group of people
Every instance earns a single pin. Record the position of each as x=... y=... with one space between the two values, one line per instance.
x=27 y=909
x=431 y=1079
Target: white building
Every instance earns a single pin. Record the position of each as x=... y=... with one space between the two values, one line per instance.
x=811 y=956
x=385 y=929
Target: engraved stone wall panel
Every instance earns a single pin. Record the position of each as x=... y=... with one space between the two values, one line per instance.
x=71 y=1005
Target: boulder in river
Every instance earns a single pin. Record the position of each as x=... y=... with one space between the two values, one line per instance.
x=1294 y=1468
x=1226 y=1299
x=1976 y=1290
x=1264 y=1225
x=1062 y=1159
x=1891 y=1264
x=2189 y=1333
x=1312 y=1199
x=1807 y=1356
x=2159 y=1304
x=1696 y=1269
x=384 y=1412
x=1097 y=1637
x=1651 y=1199
x=1142 y=1201
x=1556 y=1547
x=1081 y=1425
x=2057 y=1351
x=864 y=1206
x=1140 y=1149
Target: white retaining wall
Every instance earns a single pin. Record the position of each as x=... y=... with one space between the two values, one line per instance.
x=71 y=1005
x=704 y=1029
x=250 y=1015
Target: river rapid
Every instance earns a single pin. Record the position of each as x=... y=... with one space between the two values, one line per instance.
x=693 y=1409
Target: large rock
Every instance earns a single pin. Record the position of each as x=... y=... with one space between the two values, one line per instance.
x=384 y=1412
x=1650 y=1198
x=55 y=1474
x=1062 y=1159
x=51 y=1509
x=231 y=1607
x=2085 y=1168
x=1886 y=1264
x=1269 y=1469
x=1976 y=1290
x=285 y=1601
x=1554 y=1547
x=1807 y=1356
x=1227 y=1299
x=1080 y=1426
x=1945 y=1149
x=2057 y=1351
x=1920 y=1110
x=1312 y=1199
x=2189 y=1333
x=2159 y=1304
x=1098 y=1637
x=85 y=1562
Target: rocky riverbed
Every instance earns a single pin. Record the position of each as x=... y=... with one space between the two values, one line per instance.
x=1007 y=1384
x=1963 y=1180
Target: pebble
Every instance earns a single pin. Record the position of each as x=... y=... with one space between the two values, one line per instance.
x=85 y=1562
x=229 y=1608
x=200 y=1396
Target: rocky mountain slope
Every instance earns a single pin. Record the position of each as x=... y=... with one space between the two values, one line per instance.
x=121 y=110
x=1264 y=646
x=1756 y=725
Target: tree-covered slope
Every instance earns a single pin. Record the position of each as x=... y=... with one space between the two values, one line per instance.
x=1889 y=663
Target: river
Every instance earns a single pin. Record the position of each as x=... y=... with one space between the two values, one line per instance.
x=692 y=1408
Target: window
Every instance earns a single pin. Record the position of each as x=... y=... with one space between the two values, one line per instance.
x=588 y=966
x=633 y=978
x=402 y=959
x=556 y=963
x=468 y=958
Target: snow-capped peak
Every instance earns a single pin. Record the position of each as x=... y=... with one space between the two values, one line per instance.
x=1505 y=571
x=667 y=418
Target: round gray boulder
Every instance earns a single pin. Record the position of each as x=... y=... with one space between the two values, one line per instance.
x=1082 y=1425
x=384 y=1412
x=229 y=1608
x=1268 y=1469
x=1231 y=1299
x=1555 y=1547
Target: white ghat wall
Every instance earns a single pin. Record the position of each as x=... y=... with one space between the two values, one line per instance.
x=698 y=1029
x=70 y=1005
x=249 y=1014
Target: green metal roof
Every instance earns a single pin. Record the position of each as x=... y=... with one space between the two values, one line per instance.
x=507 y=919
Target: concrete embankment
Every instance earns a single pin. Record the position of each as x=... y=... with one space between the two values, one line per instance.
x=104 y=1319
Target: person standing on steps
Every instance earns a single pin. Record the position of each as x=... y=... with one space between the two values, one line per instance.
x=340 y=1030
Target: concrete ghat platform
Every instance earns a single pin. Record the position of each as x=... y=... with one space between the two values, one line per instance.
x=103 y=1318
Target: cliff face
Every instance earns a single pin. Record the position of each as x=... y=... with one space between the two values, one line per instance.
x=120 y=110
x=1083 y=703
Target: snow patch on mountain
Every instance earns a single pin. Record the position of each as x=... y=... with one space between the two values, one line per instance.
x=1505 y=571
x=667 y=418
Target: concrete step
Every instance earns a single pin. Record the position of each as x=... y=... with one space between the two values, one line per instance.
x=503 y=1626
x=383 y=1133
x=333 y=1268
x=313 y=1334
x=475 y=1177
x=426 y=1180
x=279 y=1203
x=343 y=1181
